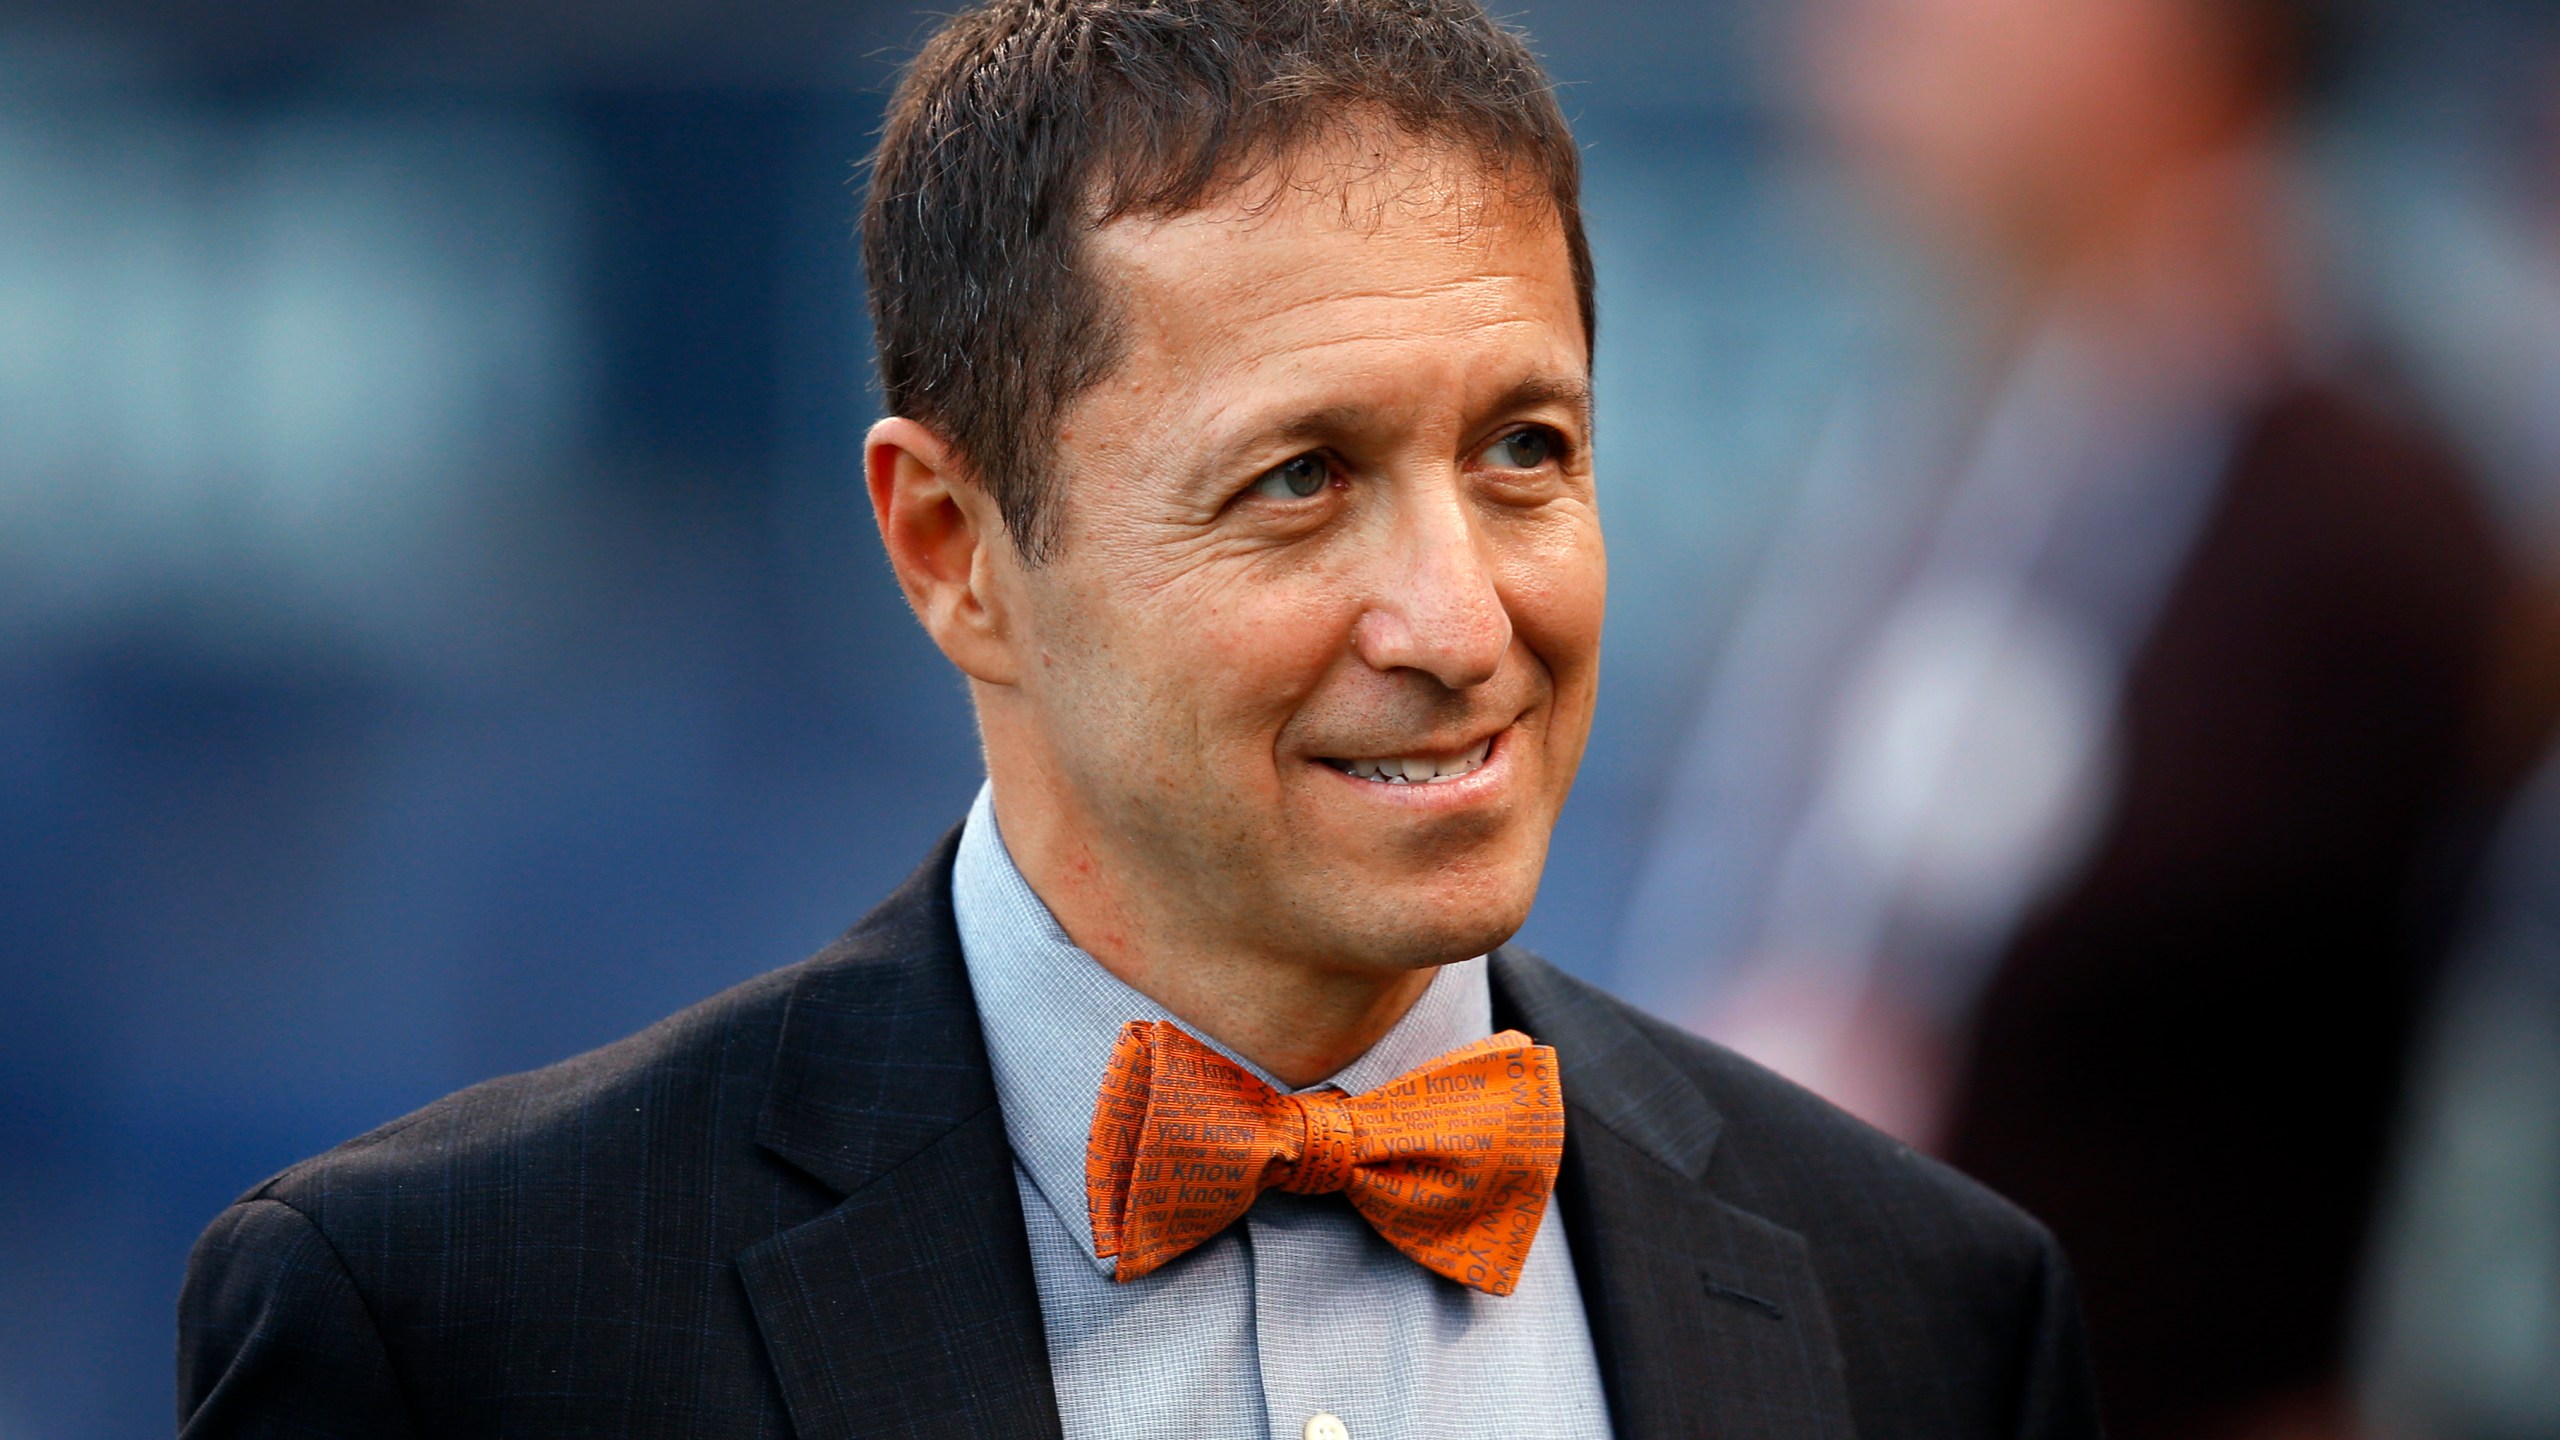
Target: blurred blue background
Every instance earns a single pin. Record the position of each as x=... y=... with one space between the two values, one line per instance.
x=440 y=627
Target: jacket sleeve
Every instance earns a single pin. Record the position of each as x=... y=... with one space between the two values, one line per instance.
x=274 y=1339
x=2058 y=1397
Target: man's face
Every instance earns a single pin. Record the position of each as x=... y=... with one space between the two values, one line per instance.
x=1314 y=660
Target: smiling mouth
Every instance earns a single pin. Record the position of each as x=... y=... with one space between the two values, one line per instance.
x=1417 y=769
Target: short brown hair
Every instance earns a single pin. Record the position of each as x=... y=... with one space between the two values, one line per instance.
x=1024 y=124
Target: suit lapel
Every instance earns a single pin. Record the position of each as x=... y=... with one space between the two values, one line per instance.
x=909 y=1309
x=1708 y=1320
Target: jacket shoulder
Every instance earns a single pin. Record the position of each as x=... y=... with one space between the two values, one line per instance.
x=1770 y=1145
x=688 y=1063
x=1953 y=1311
x=683 y=1095
x=467 y=1248
x=1890 y=1230
x=1797 y=1159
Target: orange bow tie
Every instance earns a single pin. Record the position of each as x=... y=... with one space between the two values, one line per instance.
x=1452 y=1162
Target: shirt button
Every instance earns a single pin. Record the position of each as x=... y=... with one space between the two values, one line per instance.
x=1322 y=1426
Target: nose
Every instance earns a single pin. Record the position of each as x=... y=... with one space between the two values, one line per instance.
x=1437 y=607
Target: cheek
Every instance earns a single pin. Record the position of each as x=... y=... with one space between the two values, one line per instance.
x=1276 y=639
x=1556 y=585
x=1237 y=653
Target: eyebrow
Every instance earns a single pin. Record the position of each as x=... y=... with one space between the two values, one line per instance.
x=1574 y=393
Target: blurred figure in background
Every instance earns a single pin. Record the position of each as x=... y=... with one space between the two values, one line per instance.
x=2087 y=786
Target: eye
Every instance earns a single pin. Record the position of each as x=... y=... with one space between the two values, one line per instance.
x=1524 y=449
x=1295 y=478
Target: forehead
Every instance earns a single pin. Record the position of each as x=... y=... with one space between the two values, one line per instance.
x=1353 y=245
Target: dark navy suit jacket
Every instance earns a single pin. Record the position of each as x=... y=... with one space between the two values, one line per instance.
x=790 y=1211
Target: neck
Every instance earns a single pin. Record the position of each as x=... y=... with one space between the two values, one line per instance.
x=1300 y=1021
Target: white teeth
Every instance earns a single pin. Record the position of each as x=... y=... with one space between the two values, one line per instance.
x=1416 y=769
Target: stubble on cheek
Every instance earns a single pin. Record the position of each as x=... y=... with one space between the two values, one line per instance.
x=1134 y=712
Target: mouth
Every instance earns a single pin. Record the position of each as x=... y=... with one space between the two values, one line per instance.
x=1415 y=769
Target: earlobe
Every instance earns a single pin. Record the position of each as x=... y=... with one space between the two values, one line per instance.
x=945 y=543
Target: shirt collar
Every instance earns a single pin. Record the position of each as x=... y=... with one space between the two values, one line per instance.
x=1051 y=1013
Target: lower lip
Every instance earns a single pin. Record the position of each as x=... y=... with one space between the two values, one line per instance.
x=1466 y=789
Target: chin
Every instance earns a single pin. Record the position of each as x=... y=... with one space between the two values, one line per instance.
x=1428 y=920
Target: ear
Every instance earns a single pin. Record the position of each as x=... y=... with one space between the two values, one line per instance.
x=947 y=544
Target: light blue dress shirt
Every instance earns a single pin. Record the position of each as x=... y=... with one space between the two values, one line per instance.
x=1298 y=1310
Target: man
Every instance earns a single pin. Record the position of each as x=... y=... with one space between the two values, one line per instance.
x=2089 y=794
x=1239 y=355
